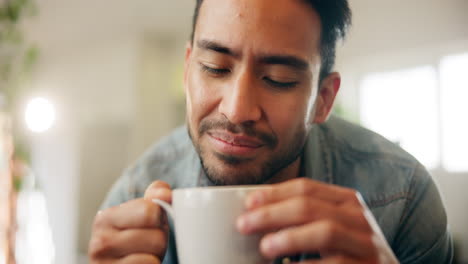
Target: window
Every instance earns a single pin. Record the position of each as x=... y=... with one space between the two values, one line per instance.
x=454 y=106
x=423 y=109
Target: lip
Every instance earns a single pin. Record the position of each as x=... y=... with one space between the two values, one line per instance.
x=233 y=144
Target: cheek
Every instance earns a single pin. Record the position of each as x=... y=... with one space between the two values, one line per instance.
x=201 y=98
x=288 y=117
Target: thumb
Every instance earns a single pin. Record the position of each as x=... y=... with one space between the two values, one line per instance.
x=159 y=190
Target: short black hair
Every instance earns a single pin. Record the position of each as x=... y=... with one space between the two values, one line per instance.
x=335 y=16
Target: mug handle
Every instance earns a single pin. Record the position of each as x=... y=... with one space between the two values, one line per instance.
x=167 y=207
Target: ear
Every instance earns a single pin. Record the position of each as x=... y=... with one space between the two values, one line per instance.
x=326 y=97
x=188 y=52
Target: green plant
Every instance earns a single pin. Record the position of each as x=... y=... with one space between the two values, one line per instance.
x=17 y=56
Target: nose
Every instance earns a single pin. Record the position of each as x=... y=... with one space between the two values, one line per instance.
x=240 y=103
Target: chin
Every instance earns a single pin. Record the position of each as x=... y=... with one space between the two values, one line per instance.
x=220 y=173
x=233 y=179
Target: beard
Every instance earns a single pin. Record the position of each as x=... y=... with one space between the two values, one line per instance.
x=246 y=171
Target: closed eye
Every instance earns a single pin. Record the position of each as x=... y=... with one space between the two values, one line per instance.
x=214 y=71
x=280 y=84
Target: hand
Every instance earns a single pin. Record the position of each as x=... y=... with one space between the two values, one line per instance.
x=133 y=232
x=314 y=217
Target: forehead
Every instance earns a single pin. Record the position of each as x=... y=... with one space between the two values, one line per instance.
x=275 y=26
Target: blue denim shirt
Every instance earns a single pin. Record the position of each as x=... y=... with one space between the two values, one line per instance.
x=395 y=186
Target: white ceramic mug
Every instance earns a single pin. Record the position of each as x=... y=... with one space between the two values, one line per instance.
x=205 y=226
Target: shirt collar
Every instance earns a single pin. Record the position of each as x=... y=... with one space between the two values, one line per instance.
x=317 y=156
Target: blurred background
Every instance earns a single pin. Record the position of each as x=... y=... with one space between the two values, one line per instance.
x=87 y=86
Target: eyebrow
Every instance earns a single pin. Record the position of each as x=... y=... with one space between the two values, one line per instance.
x=287 y=60
x=291 y=61
x=213 y=46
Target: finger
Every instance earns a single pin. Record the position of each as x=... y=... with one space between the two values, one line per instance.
x=139 y=259
x=299 y=210
x=159 y=190
x=139 y=213
x=117 y=244
x=318 y=237
x=332 y=260
x=326 y=192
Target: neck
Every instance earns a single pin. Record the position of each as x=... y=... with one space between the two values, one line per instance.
x=288 y=173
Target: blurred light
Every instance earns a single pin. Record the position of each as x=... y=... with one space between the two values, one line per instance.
x=402 y=106
x=34 y=243
x=2 y=256
x=40 y=115
x=454 y=93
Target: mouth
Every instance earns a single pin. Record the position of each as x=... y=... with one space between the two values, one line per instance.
x=234 y=144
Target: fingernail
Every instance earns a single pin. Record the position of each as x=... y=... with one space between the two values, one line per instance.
x=241 y=224
x=269 y=245
x=161 y=192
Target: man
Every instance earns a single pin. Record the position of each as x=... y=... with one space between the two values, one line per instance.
x=260 y=87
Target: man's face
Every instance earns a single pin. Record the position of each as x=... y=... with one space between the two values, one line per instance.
x=251 y=81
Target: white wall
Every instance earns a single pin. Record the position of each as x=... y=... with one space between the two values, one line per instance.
x=89 y=85
x=159 y=90
x=114 y=99
x=110 y=142
x=54 y=159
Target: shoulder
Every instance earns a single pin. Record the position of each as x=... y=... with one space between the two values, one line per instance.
x=363 y=157
x=354 y=147
x=390 y=180
x=397 y=188
x=166 y=152
x=354 y=138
